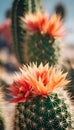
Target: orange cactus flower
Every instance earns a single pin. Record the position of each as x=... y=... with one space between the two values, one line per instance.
x=44 y=24
x=36 y=21
x=54 y=27
x=45 y=80
x=20 y=90
x=35 y=81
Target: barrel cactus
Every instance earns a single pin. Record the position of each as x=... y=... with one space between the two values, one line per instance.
x=20 y=8
x=43 y=104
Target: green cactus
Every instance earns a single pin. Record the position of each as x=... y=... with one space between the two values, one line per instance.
x=43 y=49
x=39 y=113
x=41 y=105
x=19 y=8
x=43 y=114
x=32 y=47
x=43 y=44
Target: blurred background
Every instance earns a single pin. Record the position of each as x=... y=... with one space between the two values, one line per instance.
x=8 y=61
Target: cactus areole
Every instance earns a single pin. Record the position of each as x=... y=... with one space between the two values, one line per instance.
x=43 y=114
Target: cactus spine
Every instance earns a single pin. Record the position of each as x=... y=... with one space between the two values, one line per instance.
x=19 y=8
x=43 y=49
x=43 y=114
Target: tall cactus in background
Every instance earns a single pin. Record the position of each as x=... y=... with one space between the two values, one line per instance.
x=43 y=104
x=19 y=8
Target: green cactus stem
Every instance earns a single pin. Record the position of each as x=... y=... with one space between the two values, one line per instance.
x=49 y=113
x=19 y=8
x=43 y=48
x=43 y=44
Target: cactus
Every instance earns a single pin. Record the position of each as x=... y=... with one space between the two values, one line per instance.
x=43 y=114
x=43 y=48
x=43 y=45
x=19 y=8
x=43 y=104
x=35 y=45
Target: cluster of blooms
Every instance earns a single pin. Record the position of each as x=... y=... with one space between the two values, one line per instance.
x=34 y=81
x=39 y=22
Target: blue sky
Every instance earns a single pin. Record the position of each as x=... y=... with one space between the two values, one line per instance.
x=4 y=5
x=69 y=5
x=49 y=6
